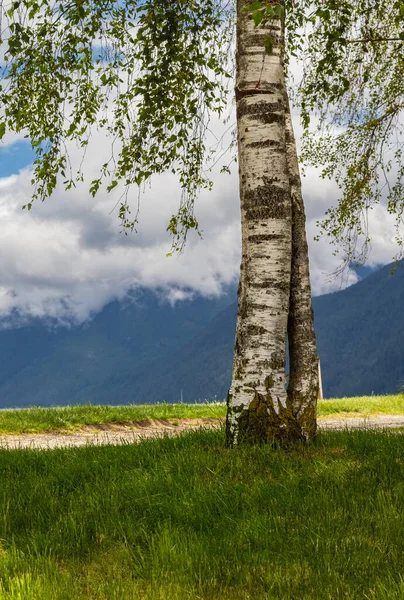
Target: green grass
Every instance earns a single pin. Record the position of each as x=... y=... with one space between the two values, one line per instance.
x=362 y=406
x=35 y=420
x=183 y=518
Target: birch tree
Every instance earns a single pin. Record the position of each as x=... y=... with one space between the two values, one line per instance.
x=149 y=73
x=273 y=299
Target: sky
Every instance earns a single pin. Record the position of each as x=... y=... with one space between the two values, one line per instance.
x=67 y=258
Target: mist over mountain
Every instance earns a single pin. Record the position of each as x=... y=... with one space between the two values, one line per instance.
x=146 y=350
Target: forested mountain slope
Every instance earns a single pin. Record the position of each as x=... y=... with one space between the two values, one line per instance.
x=100 y=361
x=145 y=350
x=360 y=337
x=360 y=334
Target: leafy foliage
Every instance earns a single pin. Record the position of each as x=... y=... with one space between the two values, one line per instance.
x=353 y=52
x=148 y=73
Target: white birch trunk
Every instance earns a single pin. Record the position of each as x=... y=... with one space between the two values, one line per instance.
x=258 y=405
x=303 y=373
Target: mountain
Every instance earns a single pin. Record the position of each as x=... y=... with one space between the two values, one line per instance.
x=360 y=335
x=146 y=350
x=100 y=361
x=360 y=340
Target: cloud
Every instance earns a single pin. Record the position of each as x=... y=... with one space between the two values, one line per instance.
x=66 y=258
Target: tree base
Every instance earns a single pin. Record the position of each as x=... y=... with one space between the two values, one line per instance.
x=261 y=424
x=305 y=410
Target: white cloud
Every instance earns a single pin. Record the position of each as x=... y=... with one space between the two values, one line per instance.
x=66 y=257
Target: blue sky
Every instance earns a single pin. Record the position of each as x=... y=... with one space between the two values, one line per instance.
x=15 y=157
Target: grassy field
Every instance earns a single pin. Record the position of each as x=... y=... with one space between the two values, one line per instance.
x=35 y=420
x=183 y=518
x=362 y=406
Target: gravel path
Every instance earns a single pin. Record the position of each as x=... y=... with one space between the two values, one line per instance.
x=115 y=434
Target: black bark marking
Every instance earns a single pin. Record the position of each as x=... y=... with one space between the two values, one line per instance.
x=264 y=112
x=254 y=92
x=267 y=201
x=265 y=144
x=265 y=237
x=270 y=284
x=254 y=330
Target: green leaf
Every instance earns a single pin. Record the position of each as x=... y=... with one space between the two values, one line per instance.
x=257 y=17
x=112 y=185
x=268 y=45
x=2 y=130
x=323 y=14
x=254 y=6
x=278 y=10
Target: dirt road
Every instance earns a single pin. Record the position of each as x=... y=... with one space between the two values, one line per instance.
x=121 y=433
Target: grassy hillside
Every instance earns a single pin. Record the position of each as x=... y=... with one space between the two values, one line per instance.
x=35 y=420
x=183 y=518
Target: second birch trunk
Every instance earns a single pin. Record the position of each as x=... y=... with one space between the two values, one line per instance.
x=303 y=374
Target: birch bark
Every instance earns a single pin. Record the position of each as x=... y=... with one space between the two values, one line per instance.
x=259 y=408
x=303 y=374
